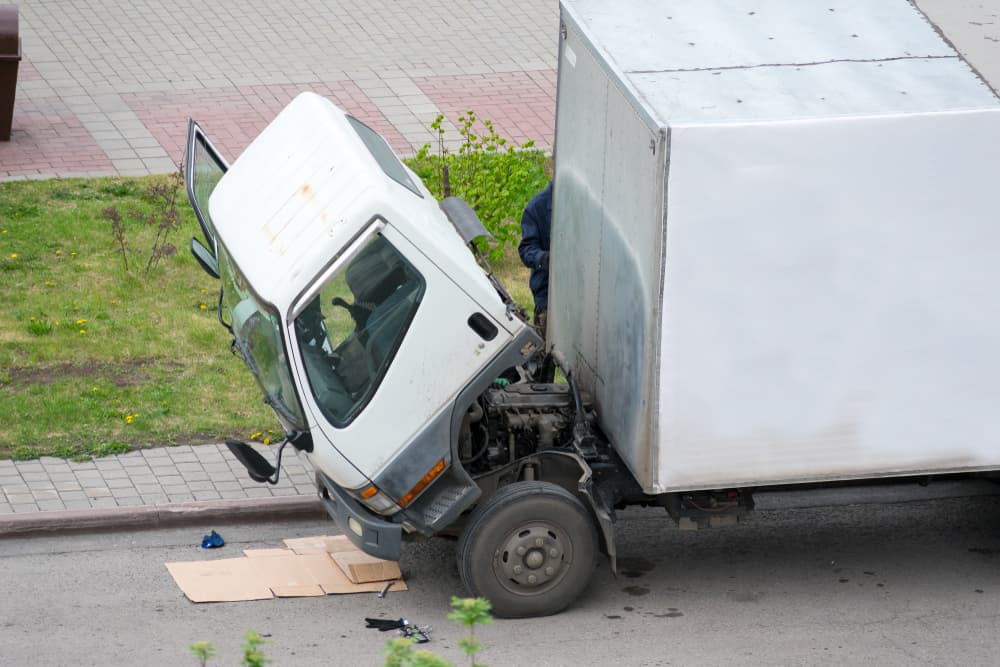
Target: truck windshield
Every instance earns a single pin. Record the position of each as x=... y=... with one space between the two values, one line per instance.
x=257 y=333
x=350 y=331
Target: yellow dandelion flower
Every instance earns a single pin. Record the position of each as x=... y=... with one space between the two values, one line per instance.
x=72 y=254
x=204 y=291
x=13 y=255
x=267 y=441
x=57 y=322
x=83 y=332
x=3 y=231
x=202 y=306
x=58 y=251
x=31 y=319
x=49 y=283
x=271 y=431
x=128 y=419
x=80 y=323
x=93 y=389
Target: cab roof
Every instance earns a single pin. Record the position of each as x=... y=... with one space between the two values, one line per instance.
x=302 y=191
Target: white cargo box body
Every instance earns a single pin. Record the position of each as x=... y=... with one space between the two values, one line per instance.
x=776 y=240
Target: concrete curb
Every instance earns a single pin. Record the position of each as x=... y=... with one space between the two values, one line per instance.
x=154 y=516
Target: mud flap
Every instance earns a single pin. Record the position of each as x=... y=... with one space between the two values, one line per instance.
x=603 y=513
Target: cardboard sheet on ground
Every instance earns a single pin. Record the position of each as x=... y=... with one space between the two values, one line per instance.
x=310 y=566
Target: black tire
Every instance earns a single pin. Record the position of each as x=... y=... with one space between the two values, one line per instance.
x=530 y=550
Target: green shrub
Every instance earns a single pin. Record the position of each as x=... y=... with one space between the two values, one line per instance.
x=203 y=651
x=466 y=612
x=494 y=176
x=252 y=655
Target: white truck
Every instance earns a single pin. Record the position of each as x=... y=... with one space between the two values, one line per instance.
x=774 y=249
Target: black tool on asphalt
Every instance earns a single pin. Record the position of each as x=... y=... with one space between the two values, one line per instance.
x=421 y=634
x=385 y=624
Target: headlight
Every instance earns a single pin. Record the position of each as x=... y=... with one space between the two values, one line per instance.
x=375 y=500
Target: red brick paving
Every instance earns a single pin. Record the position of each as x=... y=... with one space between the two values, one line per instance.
x=47 y=138
x=27 y=72
x=232 y=117
x=522 y=105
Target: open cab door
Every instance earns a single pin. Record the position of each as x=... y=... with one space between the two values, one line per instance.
x=204 y=167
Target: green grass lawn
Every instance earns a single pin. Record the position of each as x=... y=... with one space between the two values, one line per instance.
x=96 y=360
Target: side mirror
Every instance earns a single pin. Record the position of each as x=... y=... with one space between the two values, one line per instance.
x=208 y=261
x=258 y=467
x=464 y=219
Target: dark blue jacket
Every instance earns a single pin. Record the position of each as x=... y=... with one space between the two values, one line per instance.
x=536 y=231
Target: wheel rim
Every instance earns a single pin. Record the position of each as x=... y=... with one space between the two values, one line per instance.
x=533 y=558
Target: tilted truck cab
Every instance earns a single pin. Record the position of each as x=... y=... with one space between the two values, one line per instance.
x=360 y=310
x=394 y=361
x=770 y=267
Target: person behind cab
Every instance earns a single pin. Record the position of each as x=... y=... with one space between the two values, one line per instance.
x=536 y=232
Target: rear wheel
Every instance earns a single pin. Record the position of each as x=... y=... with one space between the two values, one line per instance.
x=530 y=549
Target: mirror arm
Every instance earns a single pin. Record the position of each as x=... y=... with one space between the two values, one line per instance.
x=219 y=311
x=277 y=463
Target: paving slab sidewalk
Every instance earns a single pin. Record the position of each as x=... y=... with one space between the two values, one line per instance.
x=150 y=485
x=106 y=87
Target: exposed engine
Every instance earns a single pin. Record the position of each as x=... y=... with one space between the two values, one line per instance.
x=514 y=420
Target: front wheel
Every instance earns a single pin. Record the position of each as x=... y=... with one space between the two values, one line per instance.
x=530 y=549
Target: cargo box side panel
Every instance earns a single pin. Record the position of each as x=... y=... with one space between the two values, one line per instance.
x=630 y=296
x=607 y=246
x=830 y=307
x=577 y=217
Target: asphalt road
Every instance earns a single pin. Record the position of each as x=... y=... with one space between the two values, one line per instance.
x=904 y=583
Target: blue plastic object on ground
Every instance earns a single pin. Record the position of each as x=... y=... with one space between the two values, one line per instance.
x=212 y=541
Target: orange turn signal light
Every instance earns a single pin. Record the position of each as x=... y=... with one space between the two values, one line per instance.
x=422 y=484
x=369 y=492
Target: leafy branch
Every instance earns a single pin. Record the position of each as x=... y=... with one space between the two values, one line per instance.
x=495 y=176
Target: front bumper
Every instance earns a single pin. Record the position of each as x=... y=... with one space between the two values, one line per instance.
x=369 y=532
